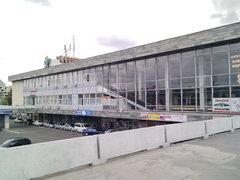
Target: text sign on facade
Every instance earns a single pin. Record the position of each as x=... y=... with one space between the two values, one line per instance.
x=84 y=113
x=235 y=61
x=163 y=117
x=221 y=105
x=5 y=111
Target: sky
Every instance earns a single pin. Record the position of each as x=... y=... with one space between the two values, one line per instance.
x=33 y=29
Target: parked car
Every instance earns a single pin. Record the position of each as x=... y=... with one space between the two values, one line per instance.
x=67 y=127
x=18 y=120
x=27 y=121
x=91 y=131
x=79 y=127
x=58 y=126
x=37 y=123
x=19 y=141
x=48 y=125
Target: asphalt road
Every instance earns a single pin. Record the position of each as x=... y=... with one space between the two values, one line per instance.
x=35 y=134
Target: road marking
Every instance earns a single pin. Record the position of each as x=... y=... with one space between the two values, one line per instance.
x=16 y=132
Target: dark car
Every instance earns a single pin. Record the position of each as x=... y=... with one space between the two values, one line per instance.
x=91 y=131
x=19 y=141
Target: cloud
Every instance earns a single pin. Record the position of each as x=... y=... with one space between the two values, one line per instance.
x=42 y=2
x=228 y=11
x=115 y=42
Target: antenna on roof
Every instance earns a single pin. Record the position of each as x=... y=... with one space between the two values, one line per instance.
x=73 y=46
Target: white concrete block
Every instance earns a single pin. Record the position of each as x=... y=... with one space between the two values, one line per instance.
x=31 y=161
x=236 y=122
x=184 y=131
x=121 y=143
x=219 y=125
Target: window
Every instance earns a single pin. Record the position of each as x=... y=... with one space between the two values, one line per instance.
x=221 y=92
x=220 y=62
x=203 y=64
x=140 y=70
x=150 y=69
x=161 y=67
x=220 y=80
x=122 y=72
x=188 y=66
x=130 y=71
x=174 y=66
x=80 y=99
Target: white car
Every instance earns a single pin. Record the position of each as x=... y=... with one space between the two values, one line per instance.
x=79 y=127
x=48 y=125
x=18 y=120
x=37 y=123
x=67 y=127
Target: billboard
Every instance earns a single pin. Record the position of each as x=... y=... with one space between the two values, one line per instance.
x=221 y=105
x=163 y=117
x=226 y=105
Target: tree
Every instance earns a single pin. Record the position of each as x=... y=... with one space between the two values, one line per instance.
x=7 y=100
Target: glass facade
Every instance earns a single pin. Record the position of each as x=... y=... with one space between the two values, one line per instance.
x=183 y=81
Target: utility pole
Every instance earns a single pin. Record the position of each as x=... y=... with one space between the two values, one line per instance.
x=73 y=46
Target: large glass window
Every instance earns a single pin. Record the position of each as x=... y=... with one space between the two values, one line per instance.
x=189 y=100
x=220 y=62
x=220 y=80
x=174 y=66
x=161 y=101
x=221 y=92
x=188 y=82
x=151 y=100
x=236 y=92
x=151 y=85
x=130 y=71
x=113 y=74
x=131 y=97
x=204 y=99
x=161 y=67
x=174 y=83
x=204 y=81
x=99 y=75
x=150 y=69
x=203 y=64
x=122 y=72
x=161 y=84
x=106 y=75
x=141 y=98
x=140 y=68
x=175 y=99
x=188 y=66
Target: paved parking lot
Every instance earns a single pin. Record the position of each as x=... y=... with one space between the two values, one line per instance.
x=35 y=134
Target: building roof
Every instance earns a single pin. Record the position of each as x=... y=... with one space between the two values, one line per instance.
x=198 y=39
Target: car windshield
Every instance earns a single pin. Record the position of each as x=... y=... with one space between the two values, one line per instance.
x=7 y=143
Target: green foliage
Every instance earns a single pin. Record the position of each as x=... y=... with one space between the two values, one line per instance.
x=7 y=100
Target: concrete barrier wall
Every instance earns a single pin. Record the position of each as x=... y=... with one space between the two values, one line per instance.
x=126 y=142
x=22 y=163
x=184 y=131
x=218 y=125
x=236 y=122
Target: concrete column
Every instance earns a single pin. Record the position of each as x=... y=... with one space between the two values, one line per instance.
x=6 y=121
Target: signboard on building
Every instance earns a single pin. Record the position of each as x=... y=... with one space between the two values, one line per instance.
x=221 y=105
x=5 y=111
x=235 y=61
x=235 y=105
x=163 y=117
x=84 y=113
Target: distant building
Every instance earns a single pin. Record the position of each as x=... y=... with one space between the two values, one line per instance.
x=4 y=90
x=198 y=72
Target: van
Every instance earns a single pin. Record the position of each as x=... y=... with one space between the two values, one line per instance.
x=79 y=127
